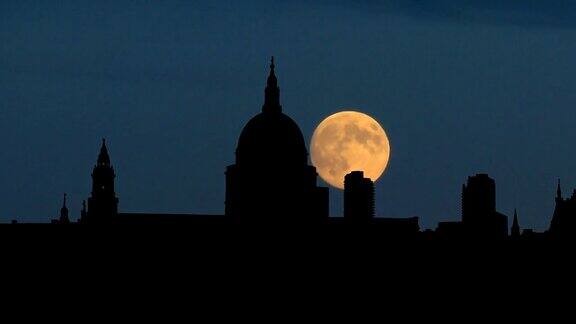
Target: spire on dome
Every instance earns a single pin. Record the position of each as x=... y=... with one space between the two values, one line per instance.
x=272 y=92
x=103 y=157
x=559 y=191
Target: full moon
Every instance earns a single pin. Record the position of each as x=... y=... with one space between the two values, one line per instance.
x=349 y=141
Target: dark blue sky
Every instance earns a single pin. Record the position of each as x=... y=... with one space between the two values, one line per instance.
x=460 y=86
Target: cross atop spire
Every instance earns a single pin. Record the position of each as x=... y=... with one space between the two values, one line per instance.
x=272 y=92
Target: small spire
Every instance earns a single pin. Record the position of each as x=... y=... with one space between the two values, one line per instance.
x=515 y=232
x=559 y=190
x=64 y=212
x=272 y=92
x=272 y=80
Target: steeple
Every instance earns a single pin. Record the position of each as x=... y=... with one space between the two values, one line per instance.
x=272 y=92
x=515 y=231
x=103 y=157
x=64 y=219
x=558 y=192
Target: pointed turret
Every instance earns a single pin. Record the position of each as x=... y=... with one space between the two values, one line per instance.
x=64 y=219
x=560 y=211
x=515 y=231
x=272 y=92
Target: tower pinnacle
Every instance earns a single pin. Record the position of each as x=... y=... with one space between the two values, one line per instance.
x=515 y=231
x=103 y=157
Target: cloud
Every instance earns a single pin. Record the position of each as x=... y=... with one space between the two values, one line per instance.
x=528 y=13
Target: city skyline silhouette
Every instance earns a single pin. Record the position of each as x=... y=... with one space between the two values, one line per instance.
x=272 y=184
x=288 y=150
x=171 y=85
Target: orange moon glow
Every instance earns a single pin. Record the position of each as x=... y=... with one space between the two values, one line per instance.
x=349 y=141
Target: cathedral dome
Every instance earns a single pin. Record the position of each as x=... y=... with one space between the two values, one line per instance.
x=271 y=139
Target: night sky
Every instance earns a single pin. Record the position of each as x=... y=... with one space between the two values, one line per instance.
x=460 y=86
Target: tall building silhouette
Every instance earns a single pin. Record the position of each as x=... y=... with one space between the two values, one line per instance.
x=479 y=215
x=358 y=197
x=271 y=179
x=103 y=203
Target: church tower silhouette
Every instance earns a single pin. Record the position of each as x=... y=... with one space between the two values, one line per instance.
x=271 y=180
x=103 y=203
